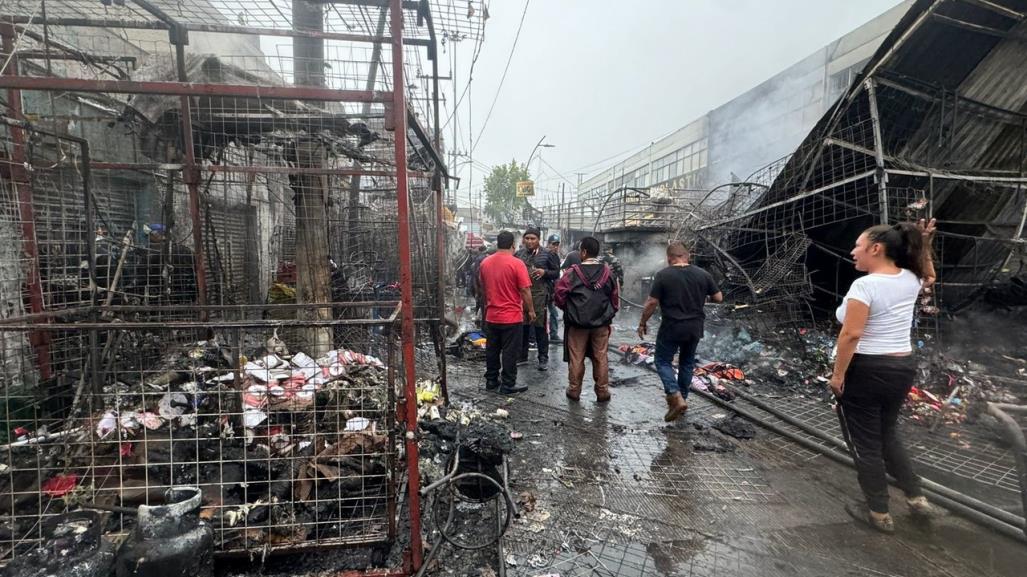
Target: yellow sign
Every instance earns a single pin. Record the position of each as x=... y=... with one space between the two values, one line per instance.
x=525 y=188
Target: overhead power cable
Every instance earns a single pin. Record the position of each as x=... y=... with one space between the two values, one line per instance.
x=499 y=89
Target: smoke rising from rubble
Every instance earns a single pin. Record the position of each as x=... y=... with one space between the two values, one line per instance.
x=640 y=261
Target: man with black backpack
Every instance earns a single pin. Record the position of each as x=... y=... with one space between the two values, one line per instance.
x=589 y=295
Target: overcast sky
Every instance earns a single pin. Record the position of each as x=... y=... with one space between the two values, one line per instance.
x=601 y=78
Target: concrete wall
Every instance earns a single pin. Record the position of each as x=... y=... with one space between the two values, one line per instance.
x=756 y=128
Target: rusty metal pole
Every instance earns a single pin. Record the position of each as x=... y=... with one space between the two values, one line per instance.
x=399 y=120
x=190 y=174
x=882 y=175
x=440 y=231
x=39 y=340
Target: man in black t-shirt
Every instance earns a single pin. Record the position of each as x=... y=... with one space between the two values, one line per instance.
x=680 y=290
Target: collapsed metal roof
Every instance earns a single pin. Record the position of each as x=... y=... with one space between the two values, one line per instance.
x=934 y=127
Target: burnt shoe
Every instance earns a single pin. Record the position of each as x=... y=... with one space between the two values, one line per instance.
x=921 y=507
x=882 y=522
x=676 y=405
x=512 y=390
x=491 y=385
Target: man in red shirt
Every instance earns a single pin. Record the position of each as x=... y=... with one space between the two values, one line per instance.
x=507 y=296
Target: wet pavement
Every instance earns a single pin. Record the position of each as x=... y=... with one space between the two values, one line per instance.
x=619 y=492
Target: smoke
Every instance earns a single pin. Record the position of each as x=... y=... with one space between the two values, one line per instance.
x=769 y=121
x=640 y=261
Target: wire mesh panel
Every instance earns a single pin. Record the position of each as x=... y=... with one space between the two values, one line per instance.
x=201 y=281
x=289 y=450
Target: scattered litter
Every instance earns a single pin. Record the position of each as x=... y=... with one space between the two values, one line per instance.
x=60 y=485
x=735 y=426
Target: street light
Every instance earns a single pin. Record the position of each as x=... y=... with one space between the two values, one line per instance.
x=527 y=165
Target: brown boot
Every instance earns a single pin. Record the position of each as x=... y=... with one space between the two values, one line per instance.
x=602 y=394
x=574 y=392
x=676 y=405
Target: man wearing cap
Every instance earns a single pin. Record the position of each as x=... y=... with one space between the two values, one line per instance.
x=544 y=269
x=554 y=316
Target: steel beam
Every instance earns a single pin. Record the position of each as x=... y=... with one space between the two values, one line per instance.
x=407 y=333
x=882 y=175
x=167 y=88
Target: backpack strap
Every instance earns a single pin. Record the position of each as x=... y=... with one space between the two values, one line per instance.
x=603 y=277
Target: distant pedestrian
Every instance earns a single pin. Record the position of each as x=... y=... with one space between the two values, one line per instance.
x=506 y=292
x=680 y=290
x=613 y=262
x=875 y=368
x=590 y=297
x=483 y=253
x=544 y=268
x=553 y=245
x=572 y=258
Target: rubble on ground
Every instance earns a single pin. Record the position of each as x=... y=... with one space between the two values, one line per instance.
x=789 y=362
x=276 y=442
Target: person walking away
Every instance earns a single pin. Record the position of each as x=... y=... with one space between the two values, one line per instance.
x=590 y=297
x=874 y=368
x=544 y=268
x=506 y=292
x=680 y=290
x=554 y=315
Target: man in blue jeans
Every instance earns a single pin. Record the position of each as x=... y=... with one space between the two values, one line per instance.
x=680 y=290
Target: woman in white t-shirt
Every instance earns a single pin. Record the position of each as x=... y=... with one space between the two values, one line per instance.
x=874 y=368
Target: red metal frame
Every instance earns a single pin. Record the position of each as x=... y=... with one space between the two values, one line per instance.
x=408 y=406
x=40 y=340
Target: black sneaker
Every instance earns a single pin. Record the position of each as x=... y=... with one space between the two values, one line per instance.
x=522 y=362
x=555 y=340
x=543 y=365
x=505 y=390
x=491 y=385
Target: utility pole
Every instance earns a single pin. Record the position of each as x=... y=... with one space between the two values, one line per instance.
x=453 y=115
x=559 y=210
x=310 y=190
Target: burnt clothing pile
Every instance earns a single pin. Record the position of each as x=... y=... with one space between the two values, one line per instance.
x=643 y=353
x=286 y=448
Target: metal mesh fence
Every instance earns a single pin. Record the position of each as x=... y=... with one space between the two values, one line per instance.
x=201 y=275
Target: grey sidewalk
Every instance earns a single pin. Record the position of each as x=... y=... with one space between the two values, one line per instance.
x=620 y=493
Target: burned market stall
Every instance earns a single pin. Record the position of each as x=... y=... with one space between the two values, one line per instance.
x=934 y=127
x=222 y=268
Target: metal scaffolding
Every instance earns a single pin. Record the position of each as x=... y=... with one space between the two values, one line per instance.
x=200 y=193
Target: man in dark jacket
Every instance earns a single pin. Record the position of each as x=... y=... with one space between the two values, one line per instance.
x=590 y=297
x=483 y=253
x=554 y=316
x=544 y=268
x=572 y=258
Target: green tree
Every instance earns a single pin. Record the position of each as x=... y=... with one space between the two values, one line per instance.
x=501 y=202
